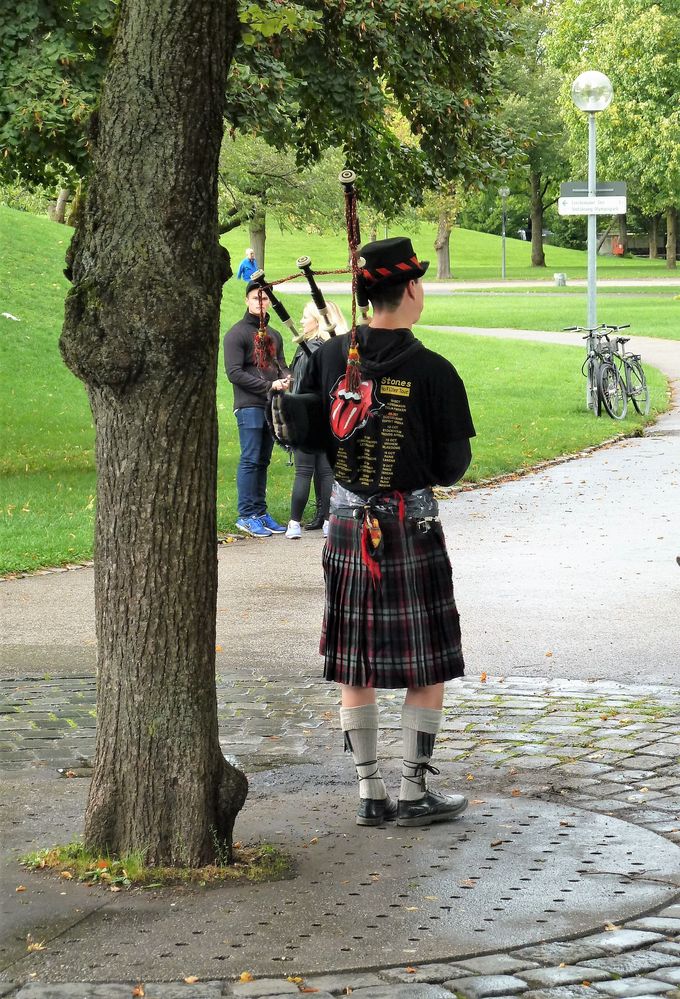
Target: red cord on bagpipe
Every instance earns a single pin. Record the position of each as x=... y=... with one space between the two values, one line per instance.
x=264 y=347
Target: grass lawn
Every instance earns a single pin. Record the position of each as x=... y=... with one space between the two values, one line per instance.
x=474 y=255
x=527 y=402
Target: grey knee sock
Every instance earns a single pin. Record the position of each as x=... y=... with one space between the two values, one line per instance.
x=419 y=728
x=360 y=726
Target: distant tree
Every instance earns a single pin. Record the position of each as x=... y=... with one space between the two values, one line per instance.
x=637 y=44
x=530 y=111
x=259 y=183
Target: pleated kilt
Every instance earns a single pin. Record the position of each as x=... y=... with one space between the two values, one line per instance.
x=403 y=631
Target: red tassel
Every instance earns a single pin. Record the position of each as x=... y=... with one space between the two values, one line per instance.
x=353 y=371
x=264 y=350
x=371 y=538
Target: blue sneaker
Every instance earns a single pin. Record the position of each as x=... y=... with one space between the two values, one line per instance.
x=254 y=527
x=271 y=525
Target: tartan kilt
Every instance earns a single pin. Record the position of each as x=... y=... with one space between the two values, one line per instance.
x=405 y=630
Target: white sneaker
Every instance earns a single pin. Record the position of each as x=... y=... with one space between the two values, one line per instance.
x=293 y=530
x=325 y=528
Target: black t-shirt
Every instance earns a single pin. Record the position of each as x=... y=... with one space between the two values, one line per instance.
x=405 y=427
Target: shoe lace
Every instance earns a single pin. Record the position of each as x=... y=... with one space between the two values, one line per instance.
x=419 y=770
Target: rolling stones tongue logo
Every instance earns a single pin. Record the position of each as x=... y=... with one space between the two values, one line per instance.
x=350 y=410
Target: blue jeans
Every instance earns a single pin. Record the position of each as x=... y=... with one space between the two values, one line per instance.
x=256 y=451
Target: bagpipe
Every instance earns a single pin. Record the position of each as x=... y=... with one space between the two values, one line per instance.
x=296 y=420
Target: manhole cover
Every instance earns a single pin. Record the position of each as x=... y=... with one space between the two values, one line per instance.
x=511 y=872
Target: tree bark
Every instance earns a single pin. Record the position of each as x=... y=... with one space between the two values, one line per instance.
x=653 y=234
x=258 y=236
x=671 y=237
x=442 y=245
x=537 y=254
x=57 y=211
x=142 y=332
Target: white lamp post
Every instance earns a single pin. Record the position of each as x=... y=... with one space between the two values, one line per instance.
x=504 y=192
x=592 y=92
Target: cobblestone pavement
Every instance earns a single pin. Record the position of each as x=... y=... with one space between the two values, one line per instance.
x=604 y=747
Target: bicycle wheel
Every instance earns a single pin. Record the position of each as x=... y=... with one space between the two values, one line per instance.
x=613 y=391
x=593 y=397
x=639 y=389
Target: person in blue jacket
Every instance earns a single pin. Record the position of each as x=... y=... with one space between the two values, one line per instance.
x=248 y=265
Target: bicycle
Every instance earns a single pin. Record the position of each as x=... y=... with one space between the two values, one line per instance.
x=597 y=368
x=631 y=370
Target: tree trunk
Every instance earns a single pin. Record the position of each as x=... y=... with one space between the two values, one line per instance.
x=653 y=234
x=671 y=237
x=537 y=254
x=142 y=332
x=623 y=233
x=57 y=211
x=258 y=236
x=442 y=246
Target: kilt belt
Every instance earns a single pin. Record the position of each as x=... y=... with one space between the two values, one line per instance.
x=417 y=505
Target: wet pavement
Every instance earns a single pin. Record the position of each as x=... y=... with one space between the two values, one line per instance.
x=565 y=735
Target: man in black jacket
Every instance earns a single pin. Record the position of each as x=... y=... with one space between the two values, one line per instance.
x=254 y=363
x=396 y=426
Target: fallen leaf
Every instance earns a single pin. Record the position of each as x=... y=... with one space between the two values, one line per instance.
x=562 y=964
x=191 y=979
x=314 y=839
x=548 y=655
x=501 y=679
x=115 y=888
x=306 y=988
x=409 y=970
x=218 y=648
x=563 y=822
x=497 y=842
x=611 y=927
x=515 y=792
x=469 y=777
x=604 y=717
x=432 y=898
x=478 y=801
x=512 y=771
x=138 y=990
x=69 y=773
x=411 y=908
x=296 y=979
x=66 y=875
x=20 y=888
x=102 y=864
x=482 y=678
x=245 y=976
x=467 y=883
x=33 y=945
x=585 y=982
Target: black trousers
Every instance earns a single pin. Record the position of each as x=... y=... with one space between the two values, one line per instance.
x=308 y=466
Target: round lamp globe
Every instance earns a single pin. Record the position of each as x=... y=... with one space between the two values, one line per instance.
x=592 y=91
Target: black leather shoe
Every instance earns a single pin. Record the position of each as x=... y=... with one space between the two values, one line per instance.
x=316 y=523
x=432 y=807
x=375 y=811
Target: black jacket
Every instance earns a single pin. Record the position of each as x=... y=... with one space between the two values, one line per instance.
x=251 y=384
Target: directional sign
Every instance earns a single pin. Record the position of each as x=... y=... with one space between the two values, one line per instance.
x=610 y=198
x=591 y=206
x=603 y=189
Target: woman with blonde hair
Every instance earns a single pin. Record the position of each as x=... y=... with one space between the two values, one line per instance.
x=308 y=466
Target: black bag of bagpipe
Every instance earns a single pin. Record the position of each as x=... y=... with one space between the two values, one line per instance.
x=297 y=421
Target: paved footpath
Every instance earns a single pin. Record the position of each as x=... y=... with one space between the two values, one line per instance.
x=563 y=878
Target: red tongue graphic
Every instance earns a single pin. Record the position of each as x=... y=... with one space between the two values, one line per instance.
x=349 y=412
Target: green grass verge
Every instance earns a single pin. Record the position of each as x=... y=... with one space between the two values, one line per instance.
x=74 y=862
x=475 y=256
x=527 y=402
